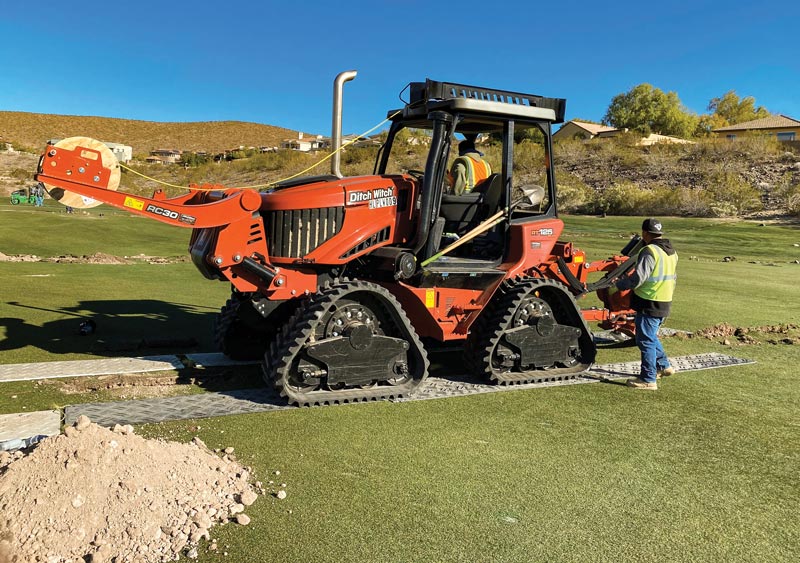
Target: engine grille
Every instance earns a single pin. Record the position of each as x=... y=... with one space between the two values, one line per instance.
x=296 y=233
x=380 y=236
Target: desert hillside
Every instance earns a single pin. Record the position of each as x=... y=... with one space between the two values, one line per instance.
x=708 y=178
x=711 y=177
x=32 y=130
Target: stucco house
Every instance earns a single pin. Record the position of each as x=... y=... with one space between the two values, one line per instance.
x=655 y=138
x=124 y=153
x=304 y=144
x=164 y=156
x=783 y=127
x=581 y=130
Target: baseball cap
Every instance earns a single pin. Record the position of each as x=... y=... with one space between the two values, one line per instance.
x=466 y=146
x=652 y=226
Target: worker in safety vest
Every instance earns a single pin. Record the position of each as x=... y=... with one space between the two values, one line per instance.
x=653 y=283
x=468 y=170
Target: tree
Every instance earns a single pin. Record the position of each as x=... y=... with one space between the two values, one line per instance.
x=650 y=110
x=734 y=110
x=708 y=122
x=532 y=134
x=193 y=159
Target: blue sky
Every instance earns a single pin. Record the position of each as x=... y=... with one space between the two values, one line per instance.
x=274 y=62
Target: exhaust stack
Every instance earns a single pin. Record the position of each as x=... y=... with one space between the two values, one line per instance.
x=336 y=133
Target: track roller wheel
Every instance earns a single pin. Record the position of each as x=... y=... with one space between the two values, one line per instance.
x=532 y=331
x=349 y=342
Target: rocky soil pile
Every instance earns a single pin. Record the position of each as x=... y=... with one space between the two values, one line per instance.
x=96 y=258
x=98 y=495
x=786 y=333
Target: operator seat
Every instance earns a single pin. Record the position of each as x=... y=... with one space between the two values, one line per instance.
x=465 y=211
x=492 y=195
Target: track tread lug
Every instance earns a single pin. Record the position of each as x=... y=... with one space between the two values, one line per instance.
x=300 y=328
x=490 y=327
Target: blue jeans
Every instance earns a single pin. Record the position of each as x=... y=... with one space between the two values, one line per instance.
x=653 y=356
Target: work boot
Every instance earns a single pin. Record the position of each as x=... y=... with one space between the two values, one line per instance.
x=666 y=372
x=639 y=383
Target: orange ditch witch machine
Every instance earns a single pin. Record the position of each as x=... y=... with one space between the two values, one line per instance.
x=337 y=282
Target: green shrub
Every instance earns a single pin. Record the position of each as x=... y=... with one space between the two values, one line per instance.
x=731 y=195
x=623 y=198
x=627 y=198
x=793 y=201
x=194 y=159
x=739 y=151
x=528 y=157
x=286 y=162
x=694 y=202
x=574 y=196
x=664 y=200
x=787 y=192
x=761 y=147
x=358 y=161
x=568 y=150
x=22 y=174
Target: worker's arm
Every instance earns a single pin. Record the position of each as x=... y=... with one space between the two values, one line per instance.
x=644 y=267
x=459 y=172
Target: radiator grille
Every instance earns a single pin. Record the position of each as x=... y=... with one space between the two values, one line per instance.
x=298 y=232
x=380 y=236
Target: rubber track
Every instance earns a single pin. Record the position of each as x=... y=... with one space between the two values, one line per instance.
x=237 y=348
x=223 y=323
x=295 y=333
x=490 y=327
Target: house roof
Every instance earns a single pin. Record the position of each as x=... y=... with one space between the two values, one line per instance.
x=654 y=138
x=593 y=128
x=771 y=122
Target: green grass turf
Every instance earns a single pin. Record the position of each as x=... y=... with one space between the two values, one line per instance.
x=50 y=231
x=703 y=470
x=703 y=239
x=43 y=305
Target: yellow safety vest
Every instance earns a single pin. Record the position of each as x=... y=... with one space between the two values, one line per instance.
x=661 y=284
x=477 y=171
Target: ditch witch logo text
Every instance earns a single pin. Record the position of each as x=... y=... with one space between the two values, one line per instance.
x=379 y=197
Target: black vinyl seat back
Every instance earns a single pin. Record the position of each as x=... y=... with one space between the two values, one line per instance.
x=463 y=212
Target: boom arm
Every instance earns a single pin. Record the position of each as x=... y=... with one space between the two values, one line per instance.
x=81 y=170
x=235 y=244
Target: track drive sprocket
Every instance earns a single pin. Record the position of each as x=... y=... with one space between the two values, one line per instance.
x=349 y=342
x=531 y=332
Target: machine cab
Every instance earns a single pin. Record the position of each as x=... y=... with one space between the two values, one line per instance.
x=513 y=130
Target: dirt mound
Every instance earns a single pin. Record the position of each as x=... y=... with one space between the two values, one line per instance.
x=96 y=258
x=101 y=495
x=19 y=258
x=749 y=335
x=717 y=331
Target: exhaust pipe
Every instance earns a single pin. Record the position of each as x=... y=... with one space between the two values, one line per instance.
x=336 y=133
